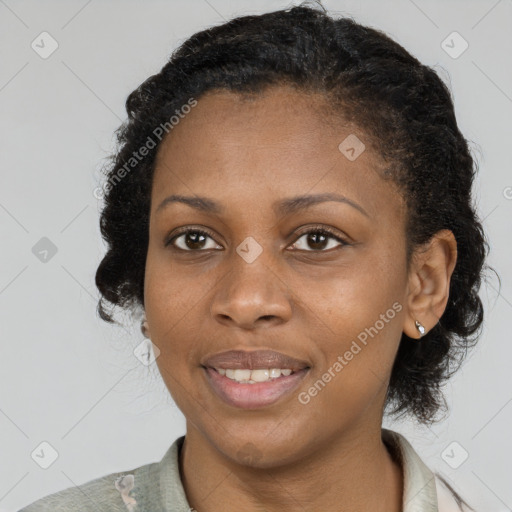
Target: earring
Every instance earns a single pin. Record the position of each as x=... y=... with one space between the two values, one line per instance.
x=144 y=327
x=420 y=328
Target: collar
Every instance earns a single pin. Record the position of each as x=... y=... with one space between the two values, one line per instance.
x=419 y=493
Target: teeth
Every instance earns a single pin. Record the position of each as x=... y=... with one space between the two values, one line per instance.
x=261 y=375
x=253 y=376
x=239 y=375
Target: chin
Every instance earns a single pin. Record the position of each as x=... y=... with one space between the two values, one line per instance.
x=256 y=452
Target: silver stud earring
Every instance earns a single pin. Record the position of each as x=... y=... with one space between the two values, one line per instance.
x=420 y=328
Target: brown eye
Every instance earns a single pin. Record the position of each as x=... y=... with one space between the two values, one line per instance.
x=193 y=240
x=318 y=240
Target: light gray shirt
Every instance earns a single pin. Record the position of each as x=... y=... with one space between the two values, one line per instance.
x=157 y=487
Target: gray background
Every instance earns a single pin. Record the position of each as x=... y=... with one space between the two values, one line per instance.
x=69 y=379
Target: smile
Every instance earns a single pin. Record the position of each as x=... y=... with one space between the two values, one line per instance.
x=253 y=389
x=252 y=376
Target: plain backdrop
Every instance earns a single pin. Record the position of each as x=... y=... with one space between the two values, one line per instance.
x=69 y=379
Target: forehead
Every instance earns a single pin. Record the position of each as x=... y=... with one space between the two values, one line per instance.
x=280 y=143
x=279 y=118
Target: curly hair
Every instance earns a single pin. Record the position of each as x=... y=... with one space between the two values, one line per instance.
x=402 y=106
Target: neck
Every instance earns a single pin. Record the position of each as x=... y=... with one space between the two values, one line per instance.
x=354 y=472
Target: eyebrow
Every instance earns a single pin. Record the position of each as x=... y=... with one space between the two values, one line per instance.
x=283 y=207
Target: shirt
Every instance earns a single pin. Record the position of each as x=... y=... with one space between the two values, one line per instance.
x=157 y=487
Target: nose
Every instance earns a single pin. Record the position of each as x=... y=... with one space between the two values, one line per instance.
x=252 y=295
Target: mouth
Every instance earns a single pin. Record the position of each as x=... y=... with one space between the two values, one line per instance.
x=246 y=388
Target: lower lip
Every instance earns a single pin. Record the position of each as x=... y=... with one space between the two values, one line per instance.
x=253 y=396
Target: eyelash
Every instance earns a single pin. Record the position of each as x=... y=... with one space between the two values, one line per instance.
x=314 y=229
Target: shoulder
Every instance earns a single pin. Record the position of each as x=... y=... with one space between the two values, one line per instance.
x=115 y=492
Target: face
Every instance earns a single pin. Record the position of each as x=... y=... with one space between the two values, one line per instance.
x=334 y=300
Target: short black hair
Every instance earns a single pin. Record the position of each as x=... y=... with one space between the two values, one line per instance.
x=403 y=108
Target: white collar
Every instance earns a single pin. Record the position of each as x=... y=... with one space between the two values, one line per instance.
x=423 y=490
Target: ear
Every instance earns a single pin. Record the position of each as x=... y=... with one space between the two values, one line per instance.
x=429 y=282
x=144 y=328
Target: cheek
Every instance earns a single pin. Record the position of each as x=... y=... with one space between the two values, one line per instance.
x=167 y=301
x=171 y=316
x=356 y=365
x=357 y=318
x=170 y=309
x=348 y=299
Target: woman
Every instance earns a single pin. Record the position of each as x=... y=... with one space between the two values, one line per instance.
x=290 y=207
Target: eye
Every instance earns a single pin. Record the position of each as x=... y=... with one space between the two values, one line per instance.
x=193 y=240
x=318 y=238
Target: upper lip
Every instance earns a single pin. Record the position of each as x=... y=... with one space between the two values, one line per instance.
x=254 y=360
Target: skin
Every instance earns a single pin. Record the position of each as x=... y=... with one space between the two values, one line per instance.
x=305 y=300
